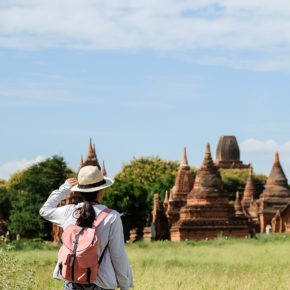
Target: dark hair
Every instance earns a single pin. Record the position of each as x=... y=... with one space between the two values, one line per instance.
x=87 y=215
x=90 y=196
x=86 y=196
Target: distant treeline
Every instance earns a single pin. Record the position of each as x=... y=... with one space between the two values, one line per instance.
x=132 y=193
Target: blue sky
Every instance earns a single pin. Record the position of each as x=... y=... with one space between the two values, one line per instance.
x=143 y=78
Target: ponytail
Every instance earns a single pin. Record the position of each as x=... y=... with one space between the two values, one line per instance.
x=87 y=216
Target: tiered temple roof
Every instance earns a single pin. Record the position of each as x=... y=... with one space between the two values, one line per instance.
x=276 y=195
x=277 y=183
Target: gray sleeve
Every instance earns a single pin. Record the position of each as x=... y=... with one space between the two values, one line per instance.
x=119 y=256
x=50 y=211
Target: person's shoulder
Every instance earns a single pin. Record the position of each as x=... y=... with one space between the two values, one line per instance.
x=112 y=216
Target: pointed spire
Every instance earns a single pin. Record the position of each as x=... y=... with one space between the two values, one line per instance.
x=91 y=158
x=277 y=176
x=166 y=197
x=81 y=163
x=238 y=206
x=103 y=170
x=207 y=161
x=250 y=189
x=184 y=161
x=170 y=196
x=276 y=158
x=90 y=154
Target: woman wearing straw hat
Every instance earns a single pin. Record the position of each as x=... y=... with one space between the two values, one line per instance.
x=114 y=270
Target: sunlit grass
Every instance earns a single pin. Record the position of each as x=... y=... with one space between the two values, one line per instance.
x=218 y=264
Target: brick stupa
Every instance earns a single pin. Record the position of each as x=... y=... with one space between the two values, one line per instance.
x=178 y=194
x=207 y=212
x=250 y=191
x=228 y=153
x=276 y=195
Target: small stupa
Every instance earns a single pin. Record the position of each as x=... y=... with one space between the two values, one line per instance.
x=250 y=191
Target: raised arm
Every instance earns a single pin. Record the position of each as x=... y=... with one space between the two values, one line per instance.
x=119 y=256
x=50 y=211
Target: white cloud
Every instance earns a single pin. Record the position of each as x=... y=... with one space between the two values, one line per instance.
x=261 y=154
x=254 y=27
x=8 y=168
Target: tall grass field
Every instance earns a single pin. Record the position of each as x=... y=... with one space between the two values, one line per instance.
x=219 y=264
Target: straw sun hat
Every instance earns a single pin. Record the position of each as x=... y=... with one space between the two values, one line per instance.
x=91 y=179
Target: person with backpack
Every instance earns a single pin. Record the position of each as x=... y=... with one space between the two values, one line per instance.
x=93 y=253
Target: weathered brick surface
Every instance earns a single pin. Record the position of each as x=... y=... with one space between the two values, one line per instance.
x=207 y=212
x=228 y=153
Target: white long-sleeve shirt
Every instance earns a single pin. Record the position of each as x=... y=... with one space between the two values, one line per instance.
x=115 y=270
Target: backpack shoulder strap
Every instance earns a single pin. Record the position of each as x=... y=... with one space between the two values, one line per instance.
x=101 y=217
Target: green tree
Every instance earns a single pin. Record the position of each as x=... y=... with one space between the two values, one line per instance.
x=134 y=187
x=146 y=170
x=5 y=201
x=33 y=187
x=235 y=180
x=129 y=198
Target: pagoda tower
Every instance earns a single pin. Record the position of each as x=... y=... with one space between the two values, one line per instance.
x=103 y=169
x=207 y=212
x=250 y=191
x=228 y=153
x=91 y=158
x=276 y=194
x=178 y=194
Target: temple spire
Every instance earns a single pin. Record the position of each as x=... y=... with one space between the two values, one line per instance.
x=166 y=197
x=276 y=158
x=103 y=170
x=90 y=154
x=207 y=161
x=81 y=163
x=277 y=175
x=91 y=158
x=238 y=205
x=250 y=190
x=170 y=196
x=184 y=161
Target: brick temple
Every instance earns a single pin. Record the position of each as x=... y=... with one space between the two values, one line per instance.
x=196 y=208
x=199 y=208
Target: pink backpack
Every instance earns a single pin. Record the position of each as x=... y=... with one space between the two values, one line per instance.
x=79 y=261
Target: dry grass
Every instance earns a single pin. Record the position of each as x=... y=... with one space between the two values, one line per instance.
x=219 y=264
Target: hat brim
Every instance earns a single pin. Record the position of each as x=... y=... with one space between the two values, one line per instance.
x=108 y=183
